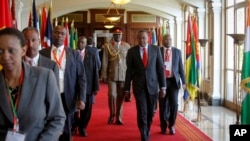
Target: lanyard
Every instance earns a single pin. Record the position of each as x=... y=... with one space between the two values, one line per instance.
x=15 y=105
x=59 y=62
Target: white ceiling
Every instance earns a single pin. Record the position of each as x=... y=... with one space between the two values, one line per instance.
x=162 y=8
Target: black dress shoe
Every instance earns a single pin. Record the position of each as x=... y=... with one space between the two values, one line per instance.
x=83 y=133
x=110 y=120
x=118 y=122
x=172 y=130
x=73 y=131
x=163 y=131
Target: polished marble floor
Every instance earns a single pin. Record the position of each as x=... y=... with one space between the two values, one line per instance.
x=215 y=120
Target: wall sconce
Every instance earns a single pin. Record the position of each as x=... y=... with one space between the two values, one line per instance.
x=110 y=16
x=120 y=2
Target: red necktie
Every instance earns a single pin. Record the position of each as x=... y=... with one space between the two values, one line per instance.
x=167 y=59
x=145 y=57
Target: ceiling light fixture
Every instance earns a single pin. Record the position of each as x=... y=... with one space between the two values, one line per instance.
x=109 y=26
x=120 y=2
x=110 y=16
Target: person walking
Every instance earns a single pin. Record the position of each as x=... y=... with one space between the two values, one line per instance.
x=72 y=79
x=174 y=73
x=113 y=72
x=145 y=71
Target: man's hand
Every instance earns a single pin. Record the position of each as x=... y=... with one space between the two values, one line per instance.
x=162 y=93
x=95 y=93
x=127 y=96
x=80 y=105
x=184 y=86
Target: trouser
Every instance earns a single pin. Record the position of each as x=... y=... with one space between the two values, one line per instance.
x=145 y=106
x=115 y=99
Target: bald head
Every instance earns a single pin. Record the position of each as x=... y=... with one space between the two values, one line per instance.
x=167 y=40
x=59 y=35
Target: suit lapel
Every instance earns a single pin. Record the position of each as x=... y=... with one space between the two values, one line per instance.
x=41 y=62
x=5 y=104
x=27 y=90
x=173 y=58
x=69 y=59
x=150 y=51
x=138 y=54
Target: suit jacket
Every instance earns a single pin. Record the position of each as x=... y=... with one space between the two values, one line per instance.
x=74 y=77
x=153 y=75
x=92 y=74
x=177 y=65
x=47 y=63
x=95 y=51
x=40 y=111
x=114 y=61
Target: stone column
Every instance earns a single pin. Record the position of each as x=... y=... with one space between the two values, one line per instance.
x=180 y=37
x=215 y=34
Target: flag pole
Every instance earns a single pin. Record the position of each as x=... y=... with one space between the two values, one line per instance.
x=200 y=92
x=238 y=40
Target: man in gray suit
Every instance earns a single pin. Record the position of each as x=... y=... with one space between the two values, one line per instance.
x=33 y=57
x=72 y=79
x=146 y=72
x=113 y=72
x=174 y=73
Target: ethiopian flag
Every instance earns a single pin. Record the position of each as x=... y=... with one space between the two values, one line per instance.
x=245 y=76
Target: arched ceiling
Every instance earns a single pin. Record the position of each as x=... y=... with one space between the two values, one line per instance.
x=162 y=8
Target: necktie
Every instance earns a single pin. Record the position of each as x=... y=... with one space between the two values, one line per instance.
x=145 y=57
x=167 y=59
x=31 y=62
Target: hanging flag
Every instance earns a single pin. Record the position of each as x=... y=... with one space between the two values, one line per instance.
x=154 y=38
x=72 y=36
x=43 y=22
x=245 y=75
x=13 y=13
x=159 y=33
x=34 y=16
x=6 y=19
x=197 y=50
x=66 y=41
x=191 y=72
x=164 y=30
x=48 y=31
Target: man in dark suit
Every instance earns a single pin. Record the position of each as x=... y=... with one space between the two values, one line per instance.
x=174 y=73
x=89 y=60
x=32 y=54
x=90 y=43
x=72 y=79
x=146 y=72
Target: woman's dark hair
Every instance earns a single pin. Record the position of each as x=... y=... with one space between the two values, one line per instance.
x=14 y=32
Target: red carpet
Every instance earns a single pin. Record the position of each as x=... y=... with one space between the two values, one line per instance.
x=99 y=130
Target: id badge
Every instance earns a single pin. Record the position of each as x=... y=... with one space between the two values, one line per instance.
x=14 y=136
x=61 y=74
x=167 y=66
